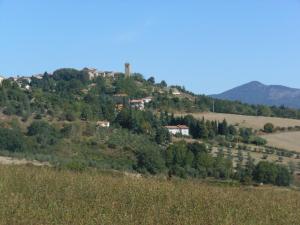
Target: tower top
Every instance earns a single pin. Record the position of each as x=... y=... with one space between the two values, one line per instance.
x=127 y=70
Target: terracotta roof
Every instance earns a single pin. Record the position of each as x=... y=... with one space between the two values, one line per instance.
x=104 y=121
x=171 y=127
x=177 y=127
x=182 y=126
x=121 y=95
x=136 y=101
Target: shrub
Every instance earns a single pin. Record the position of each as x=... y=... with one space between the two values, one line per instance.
x=44 y=133
x=11 y=140
x=269 y=128
x=271 y=173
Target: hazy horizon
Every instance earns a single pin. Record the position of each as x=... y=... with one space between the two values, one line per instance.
x=206 y=47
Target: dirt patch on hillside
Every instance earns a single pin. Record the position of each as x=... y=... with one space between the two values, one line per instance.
x=13 y=161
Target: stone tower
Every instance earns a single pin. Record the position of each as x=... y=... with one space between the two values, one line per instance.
x=127 y=70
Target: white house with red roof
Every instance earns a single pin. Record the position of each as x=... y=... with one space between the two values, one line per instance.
x=179 y=129
x=140 y=103
x=137 y=104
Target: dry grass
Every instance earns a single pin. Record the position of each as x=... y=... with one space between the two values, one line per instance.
x=13 y=161
x=45 y=196
x=255 y=122
x=286 y=140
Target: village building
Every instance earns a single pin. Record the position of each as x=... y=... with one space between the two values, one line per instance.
x=179 y=129
x=119 y=107
x=38 y=76
x=147 y=99
x=140 y=103
x=103 y=124
x=1 y=79
x=175 y=91
x=93 y=73
x=137 y=104
x=120 y=95
x=127 y=70
x=26 y=79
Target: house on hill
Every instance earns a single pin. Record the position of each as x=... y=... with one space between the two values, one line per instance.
x=140 y=103
x=178 y=129
x=1 y=79
x=175 y=91
x=147 y=99
x=103 y=123
x=93 y=73
x=119 y=107
x=137 y=104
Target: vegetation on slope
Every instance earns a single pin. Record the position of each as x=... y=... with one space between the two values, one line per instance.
x=57 y=118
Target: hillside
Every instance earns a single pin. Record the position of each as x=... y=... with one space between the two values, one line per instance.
x=47 y=196
x=82 y=119
x=258 y=93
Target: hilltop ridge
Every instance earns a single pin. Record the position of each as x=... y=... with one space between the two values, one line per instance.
x=258 y=93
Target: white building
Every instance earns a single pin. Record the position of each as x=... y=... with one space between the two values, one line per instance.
x=140 y=103
x=38 y=76
x=1 y=79
x=147 y=99
x=93 y=73
x=137 y=104
x=175 y=91
x=179 y=129
x=103 y=124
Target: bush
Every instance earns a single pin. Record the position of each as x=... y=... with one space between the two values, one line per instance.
x=149 y=161
x=76 y=165
x=270 y=173
x=269 y=128
x=11 y=140
x=44 y=133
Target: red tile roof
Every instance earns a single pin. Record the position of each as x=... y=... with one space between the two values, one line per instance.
x=136 y=101
x=177 y=127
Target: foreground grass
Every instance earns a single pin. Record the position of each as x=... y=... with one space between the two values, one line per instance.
x=30 y=195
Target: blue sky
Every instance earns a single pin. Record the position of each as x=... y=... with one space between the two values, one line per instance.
x=207 y=46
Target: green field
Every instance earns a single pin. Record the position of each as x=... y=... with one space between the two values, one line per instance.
x=31 y=195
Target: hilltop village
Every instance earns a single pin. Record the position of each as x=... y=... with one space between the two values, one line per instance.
x=121 y=99
x=88 y=118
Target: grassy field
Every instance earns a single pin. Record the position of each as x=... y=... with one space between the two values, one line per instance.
x=286 y=140
x=31 y=195
x=255 y=122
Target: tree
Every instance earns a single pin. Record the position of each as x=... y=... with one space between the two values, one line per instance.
x=178 y=157
x=151 y=80
x=271 y=173
x=232 y=130
x=162 y=136
x=163 y=83
x=11 y=140
x=283 y=177
x=222 y=168
x=43 y=132
x=223 y=128
x=269 y=128
x=149 y=160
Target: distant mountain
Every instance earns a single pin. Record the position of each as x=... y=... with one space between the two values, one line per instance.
x=258 y=93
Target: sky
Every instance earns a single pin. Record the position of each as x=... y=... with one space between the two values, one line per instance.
x=206 y=46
